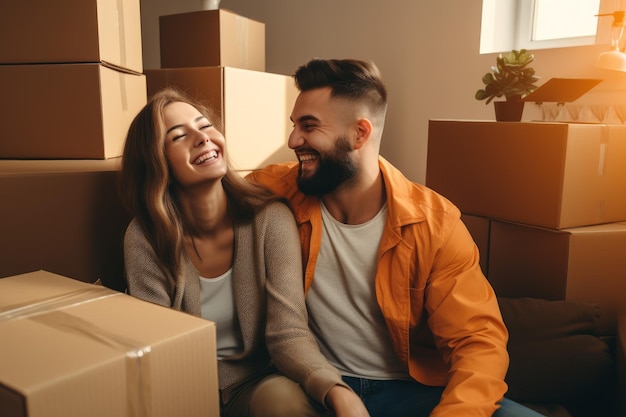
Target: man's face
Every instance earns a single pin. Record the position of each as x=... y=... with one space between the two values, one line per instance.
x=321 y=142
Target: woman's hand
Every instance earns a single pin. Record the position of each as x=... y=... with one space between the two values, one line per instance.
x=345 y=403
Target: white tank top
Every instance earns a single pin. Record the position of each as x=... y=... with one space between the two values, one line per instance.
x=344 y=314
x=218 y=305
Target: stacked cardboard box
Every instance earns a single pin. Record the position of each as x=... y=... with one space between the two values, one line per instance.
x=73 y=77
x=75 y=82
x=211 y=38
x=550 y=197
x=219 y=57
x=63 y=216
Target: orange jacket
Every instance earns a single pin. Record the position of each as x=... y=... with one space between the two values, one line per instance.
x=441 y=312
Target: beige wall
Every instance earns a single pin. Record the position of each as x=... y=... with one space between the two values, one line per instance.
x=427 y=51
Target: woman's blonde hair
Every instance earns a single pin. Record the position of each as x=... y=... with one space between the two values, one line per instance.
x=147 y=187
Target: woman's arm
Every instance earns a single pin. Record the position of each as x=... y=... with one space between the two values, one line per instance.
x=292 y=346
x=144 y=276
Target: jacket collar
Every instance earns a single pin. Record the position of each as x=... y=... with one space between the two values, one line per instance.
x=402 y=197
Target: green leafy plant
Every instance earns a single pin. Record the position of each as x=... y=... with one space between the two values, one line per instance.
x=511 y=77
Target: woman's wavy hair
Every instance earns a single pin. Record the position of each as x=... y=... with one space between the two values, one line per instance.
x=147 y=187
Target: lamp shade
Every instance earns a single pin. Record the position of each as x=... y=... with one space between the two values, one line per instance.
x=613 y=60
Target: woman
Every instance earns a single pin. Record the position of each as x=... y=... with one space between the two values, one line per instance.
x=205 y=241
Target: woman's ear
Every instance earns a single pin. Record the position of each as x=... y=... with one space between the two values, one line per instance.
x=363 y=132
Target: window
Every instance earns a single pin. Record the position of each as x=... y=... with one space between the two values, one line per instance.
x=539 y=24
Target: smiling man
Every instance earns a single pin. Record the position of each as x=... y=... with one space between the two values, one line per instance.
x=396 y=297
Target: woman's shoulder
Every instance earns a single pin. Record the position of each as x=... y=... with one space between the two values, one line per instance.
x=275 y=215
x=275 y=208
x=134 y=231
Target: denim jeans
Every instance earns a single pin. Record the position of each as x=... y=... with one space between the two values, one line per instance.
x=398 y=398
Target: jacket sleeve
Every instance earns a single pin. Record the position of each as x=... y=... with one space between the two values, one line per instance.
x=292 y=346
x=145 y=278
x=465 y=320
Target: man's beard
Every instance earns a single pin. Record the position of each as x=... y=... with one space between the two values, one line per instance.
x=334 y=169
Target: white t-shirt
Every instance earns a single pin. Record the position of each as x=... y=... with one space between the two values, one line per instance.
x=344 y=314
x=218 y=305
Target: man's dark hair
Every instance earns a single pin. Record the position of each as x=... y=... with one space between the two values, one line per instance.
x=348 y=78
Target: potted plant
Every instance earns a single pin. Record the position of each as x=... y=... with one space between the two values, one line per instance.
x=512 y=78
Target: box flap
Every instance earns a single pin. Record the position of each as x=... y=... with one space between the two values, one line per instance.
x=562 y=90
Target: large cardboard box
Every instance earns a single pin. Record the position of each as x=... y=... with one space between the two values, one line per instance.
x=211 y=38
x=71 y=349
x=581 y=264
x=64 y=216
x=555 y=175
x=254 y=108
x=67 y=111
x=42 y=31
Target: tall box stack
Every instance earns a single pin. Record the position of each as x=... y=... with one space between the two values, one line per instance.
x=219 y=57
x=73 y=74
x=553 y=195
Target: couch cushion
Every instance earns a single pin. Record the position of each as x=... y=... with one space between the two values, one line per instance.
x=556 y=353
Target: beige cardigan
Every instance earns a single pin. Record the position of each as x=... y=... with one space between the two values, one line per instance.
x=269 y=300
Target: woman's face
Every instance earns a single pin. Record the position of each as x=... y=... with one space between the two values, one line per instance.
x=193 y=147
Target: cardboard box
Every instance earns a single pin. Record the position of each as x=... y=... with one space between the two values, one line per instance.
x=479 y=229
x=43 y=31
x=254 y=108
x=211 y=38
x=555 y=175
x=581 y=264
x=67 y=111
x=76 y=349
x=64 y=216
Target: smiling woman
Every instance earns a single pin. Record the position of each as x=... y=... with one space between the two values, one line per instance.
x=205 y=241
x=538 y=24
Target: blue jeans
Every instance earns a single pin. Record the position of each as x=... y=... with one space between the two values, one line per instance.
x=398 y=398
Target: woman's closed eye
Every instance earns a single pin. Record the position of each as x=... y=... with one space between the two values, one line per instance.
x=177 y=135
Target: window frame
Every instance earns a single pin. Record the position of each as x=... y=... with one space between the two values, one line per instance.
x=524 y=35
x=507 y=25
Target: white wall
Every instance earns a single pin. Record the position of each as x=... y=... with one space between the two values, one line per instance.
x=428 y=52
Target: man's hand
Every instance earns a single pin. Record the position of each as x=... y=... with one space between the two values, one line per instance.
x=345 y=402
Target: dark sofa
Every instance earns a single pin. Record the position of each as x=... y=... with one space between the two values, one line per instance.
x=563 y=357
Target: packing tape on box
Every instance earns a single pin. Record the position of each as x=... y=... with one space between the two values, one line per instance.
x=44 y=305
x=121 y=31
x=242 y=37
x=605 y=134
x=47 y=311
x=123 y=84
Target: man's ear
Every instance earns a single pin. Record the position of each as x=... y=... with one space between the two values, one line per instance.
x=363 y=132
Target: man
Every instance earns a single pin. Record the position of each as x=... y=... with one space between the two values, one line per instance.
x=395 y=294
